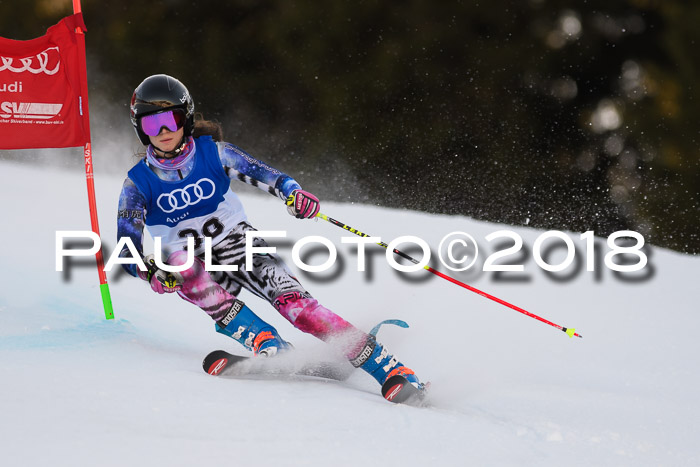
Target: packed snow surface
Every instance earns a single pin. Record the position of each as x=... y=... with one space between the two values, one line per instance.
x=507 y=390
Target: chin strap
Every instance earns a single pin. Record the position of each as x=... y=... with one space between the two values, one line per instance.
x=175 y=152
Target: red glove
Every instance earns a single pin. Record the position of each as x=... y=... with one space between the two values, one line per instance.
x=302 y=204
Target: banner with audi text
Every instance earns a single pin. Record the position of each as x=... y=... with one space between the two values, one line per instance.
x=41 y=105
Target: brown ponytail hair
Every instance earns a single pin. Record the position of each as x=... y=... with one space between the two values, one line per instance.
x=204 y=127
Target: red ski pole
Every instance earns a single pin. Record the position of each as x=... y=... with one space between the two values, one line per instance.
x=571 y=332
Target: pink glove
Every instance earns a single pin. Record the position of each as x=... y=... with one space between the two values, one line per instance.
x=161 y=281
x=302 y=204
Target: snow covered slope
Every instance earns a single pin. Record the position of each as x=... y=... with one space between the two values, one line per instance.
x=507 y=390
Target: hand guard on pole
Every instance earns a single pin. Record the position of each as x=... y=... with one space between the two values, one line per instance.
x=160 y=281
x=302 y=204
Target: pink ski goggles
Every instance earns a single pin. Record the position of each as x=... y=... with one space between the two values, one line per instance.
x=173 y=120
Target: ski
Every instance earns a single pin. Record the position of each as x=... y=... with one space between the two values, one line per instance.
x=396 y=389
x=399 y=390
x=222 y=363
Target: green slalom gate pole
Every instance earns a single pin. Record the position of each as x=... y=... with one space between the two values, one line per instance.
x=571 y=332
x=89 y=176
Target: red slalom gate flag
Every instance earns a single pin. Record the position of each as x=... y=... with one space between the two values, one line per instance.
x=44 y=103
x=43 y=97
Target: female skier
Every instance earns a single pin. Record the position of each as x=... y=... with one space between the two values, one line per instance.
x=181 y=189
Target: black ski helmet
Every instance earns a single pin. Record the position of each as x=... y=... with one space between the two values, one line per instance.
x=157 y=93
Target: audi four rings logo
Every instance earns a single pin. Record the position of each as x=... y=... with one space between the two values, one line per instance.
x=39 y=63
x=188 y=196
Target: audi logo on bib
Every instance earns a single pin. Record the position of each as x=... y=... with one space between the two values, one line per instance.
x=187 y=196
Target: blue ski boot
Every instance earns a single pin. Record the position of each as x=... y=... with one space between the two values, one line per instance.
x=244 y=326
x=399 y=383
